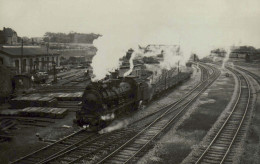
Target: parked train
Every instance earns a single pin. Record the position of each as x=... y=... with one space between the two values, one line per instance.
x=103 y=101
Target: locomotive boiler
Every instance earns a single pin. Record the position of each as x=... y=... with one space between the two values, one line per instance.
x=101 y=101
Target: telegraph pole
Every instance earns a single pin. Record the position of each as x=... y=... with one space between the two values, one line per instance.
x=54 y=72
x=22 y=57
x=178 y=67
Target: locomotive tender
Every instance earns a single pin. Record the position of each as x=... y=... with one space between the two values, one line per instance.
x=103 y=101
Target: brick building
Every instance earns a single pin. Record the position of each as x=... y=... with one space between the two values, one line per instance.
x=28 y=59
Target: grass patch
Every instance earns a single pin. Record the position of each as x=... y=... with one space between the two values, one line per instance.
x=199 y=121
x=179 y=150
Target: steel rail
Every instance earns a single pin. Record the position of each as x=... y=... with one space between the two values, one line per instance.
x=48 y=146
x=256 y=77
x=62 y=153
x=226 y=121
x=57 y=154
x=155 y=121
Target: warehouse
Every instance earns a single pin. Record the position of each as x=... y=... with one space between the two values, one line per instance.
x=27 y=59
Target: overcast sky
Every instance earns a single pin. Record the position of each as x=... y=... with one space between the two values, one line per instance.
x=219 y=22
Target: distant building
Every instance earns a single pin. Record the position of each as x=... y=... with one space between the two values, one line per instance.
x=77 y=59
x=29 y=58
x=245 y=55
x=8 y=36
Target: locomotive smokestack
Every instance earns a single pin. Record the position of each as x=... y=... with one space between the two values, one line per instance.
x=129 y=54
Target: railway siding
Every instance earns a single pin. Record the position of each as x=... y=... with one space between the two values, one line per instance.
x=99 y=149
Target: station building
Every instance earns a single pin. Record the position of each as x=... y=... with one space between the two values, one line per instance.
x=28 y=59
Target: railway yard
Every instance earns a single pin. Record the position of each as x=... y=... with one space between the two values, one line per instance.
x=213 y=117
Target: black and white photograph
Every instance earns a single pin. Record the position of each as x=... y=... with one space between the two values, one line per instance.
x=129 y=82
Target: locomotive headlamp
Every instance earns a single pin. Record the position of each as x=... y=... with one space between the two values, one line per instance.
x=108 y=117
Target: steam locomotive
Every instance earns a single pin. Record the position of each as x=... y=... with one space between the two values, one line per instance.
x=104 y=100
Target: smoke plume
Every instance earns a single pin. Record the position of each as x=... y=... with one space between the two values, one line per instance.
x=226 y=57
x=131 y=61
x=119 y=37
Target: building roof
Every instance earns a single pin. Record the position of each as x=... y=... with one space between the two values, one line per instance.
x=246 y=52
x=15 y=51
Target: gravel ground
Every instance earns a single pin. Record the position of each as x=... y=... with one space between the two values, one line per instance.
x=25 y=140
x=248 y=150
x=178 y=142
x=251 y=151
x=15 y=149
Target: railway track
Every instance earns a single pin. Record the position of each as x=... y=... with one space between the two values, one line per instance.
x=88 y=149
x=220 y=148
x=205 y=73
x=132 y=150
x=257 y=78
x=5 y=125
x=65 y=83
x=72 y=81
x=61 y=145
x=84 y=149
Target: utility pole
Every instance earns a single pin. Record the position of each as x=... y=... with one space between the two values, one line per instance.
x=178 y=67
x=22 y=57
x=54 y=72
x=165 y=79
x=178 y=70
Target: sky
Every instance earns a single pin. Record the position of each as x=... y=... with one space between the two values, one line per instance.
x=195 y=22
x=198 y=26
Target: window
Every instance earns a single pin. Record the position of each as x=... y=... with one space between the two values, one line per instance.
x=16 y=62
x=31 y=65
x=37 y=64
x=24 y=65
x=43 y=64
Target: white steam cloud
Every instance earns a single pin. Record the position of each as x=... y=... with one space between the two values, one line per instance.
x=114 y=126
x=110 y=48
x=226 y=57
x=131 y=60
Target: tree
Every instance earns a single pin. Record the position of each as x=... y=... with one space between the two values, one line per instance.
x=72 y=37
x=219 y=51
